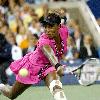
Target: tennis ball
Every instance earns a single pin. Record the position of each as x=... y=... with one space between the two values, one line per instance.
x=23 y=72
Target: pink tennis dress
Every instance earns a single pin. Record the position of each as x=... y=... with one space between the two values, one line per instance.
x=36 y=62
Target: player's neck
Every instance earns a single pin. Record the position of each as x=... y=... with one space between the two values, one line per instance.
x=57 y=39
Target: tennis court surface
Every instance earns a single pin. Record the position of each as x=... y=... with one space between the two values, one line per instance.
x=73 y=92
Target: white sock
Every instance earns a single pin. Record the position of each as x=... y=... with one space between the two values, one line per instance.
x=60 y=96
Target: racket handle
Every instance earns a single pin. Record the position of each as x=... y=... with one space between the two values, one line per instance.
x=69 y=70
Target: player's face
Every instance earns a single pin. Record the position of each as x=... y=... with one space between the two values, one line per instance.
x=51 y=31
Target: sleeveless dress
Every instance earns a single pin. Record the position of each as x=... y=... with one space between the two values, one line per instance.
x=36 y=62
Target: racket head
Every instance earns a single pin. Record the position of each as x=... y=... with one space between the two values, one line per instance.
x=87 y=72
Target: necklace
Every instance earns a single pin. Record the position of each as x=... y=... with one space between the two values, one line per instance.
x=59 y=52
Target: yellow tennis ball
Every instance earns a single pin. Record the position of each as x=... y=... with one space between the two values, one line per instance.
x=23 y=72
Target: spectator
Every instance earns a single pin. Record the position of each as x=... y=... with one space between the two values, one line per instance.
x=12 y=22
x=25 y=15
x=20 y=2
x=35 y=27
x=78 y=37
x=57 y=0
x=4 y=28
x=33 y=39
x=42 y=12
x=72 y=23
x=4 y=2
x=40 y=1
x=5 y=58
x=12 y=4
x=21 y=37
x=88 y=50
x=16 y=51
x=64 y=15
x=72 y=52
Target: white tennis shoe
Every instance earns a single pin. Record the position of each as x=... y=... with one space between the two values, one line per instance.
x=2 y=86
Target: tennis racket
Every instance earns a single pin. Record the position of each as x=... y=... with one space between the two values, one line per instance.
x=87 y=73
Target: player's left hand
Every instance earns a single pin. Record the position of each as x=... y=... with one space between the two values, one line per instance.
x=60 y=70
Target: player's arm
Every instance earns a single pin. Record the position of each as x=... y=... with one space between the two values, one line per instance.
x=49 y=53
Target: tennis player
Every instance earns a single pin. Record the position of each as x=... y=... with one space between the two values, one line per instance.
x=43 y=63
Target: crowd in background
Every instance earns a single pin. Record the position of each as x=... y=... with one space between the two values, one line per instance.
x=20 y=29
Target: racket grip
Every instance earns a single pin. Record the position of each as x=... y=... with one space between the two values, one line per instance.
x=57 y=65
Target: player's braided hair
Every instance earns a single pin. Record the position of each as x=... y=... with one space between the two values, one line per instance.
x=52 y=19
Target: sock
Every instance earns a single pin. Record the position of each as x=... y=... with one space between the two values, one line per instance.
x=60 y=96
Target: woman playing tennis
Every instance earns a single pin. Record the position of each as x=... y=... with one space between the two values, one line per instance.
x=43 y=63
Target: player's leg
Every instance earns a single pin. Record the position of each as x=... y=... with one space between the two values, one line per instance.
x=55 y=86
x=14 y=91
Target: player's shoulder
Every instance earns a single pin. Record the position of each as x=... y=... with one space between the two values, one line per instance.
x=63 y=30
x=43 y=40
x=43 y=36
x=63 y=26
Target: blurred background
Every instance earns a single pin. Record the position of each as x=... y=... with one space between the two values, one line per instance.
x=20 y=29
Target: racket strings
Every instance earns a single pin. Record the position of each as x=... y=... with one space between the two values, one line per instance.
x=77 y=73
